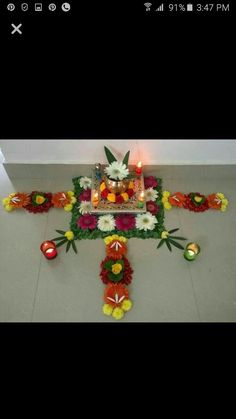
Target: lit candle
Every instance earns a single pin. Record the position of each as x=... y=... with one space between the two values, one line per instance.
x=95 y=199
x=191 y=251
x=49 y=250
x=138 y=168
x=141 y=198
x=98 y=171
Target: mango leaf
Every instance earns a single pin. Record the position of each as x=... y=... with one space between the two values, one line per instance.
x=68 y=246
x=60 y=232
x=74 y=246
x=108 y=265
x=61 y=242
x=126 y=158
x=176 y=244
x=168 y=245
x=115 y=278
x=173 y=231
x=177 y=238
x=160 y=244
x=58 y=238
x=110 y=156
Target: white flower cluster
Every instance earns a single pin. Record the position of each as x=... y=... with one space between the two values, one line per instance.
x=85 y=182
x=151 y=194
x=117 y=170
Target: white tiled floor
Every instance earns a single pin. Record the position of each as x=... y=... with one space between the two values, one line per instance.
x=165 y=286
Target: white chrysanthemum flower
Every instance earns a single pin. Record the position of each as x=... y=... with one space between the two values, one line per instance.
x=106 y=222
x=85 y=207
x=117 y=170
x=85 y=182
x=146 y=221
x=151 y=194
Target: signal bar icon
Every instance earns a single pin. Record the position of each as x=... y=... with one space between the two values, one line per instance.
x=160 y=8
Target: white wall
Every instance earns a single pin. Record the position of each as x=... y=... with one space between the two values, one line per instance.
x=158 y=152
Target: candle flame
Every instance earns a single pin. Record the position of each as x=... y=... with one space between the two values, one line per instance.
x=49 y=250
x=191 y=252
x=139 y=164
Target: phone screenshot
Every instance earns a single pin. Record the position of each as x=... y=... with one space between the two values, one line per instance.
x=118 y=162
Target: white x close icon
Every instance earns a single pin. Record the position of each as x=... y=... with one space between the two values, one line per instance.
x=16 y=28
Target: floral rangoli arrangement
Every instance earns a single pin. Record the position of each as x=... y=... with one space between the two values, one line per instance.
x=137 y=211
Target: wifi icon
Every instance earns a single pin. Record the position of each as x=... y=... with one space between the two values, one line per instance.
x=148 y=6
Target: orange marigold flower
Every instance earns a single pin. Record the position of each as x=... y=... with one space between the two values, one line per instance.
x=213 y=201
x=102 y=186
x=125 y=196
x=177 y=199
x=60 y=199
x=111 y=197
x=115 y=294
x=20 y=200
x=116 y=249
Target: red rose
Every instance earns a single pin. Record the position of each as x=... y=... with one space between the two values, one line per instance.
x=150 y=182
x=152 y=207
x=119 y=199
x=104 y=193
x=130 y=192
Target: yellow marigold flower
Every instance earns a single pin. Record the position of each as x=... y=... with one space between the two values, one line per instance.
x=225 y=202
x=70 y=193
x=167 y=205
x=111 y=197
x=126 y=305
x=131 y=185
x=197 y=198
x=8 y=207
x=120 y=238
x=125 y=196
x=223 y=208
x=73 y=200
x=102 y=186
x=164 y=234
x=69 y=235
x=220 y=195
x=6 y=201
x=40 y=199
x=116 y=268
x=107 y=309
x=118 y=313
x=68 y=207
x=165 y=194
x=109 y=239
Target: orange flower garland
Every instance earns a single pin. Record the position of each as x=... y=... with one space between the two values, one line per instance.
x=194 y=201
x=116 y=272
